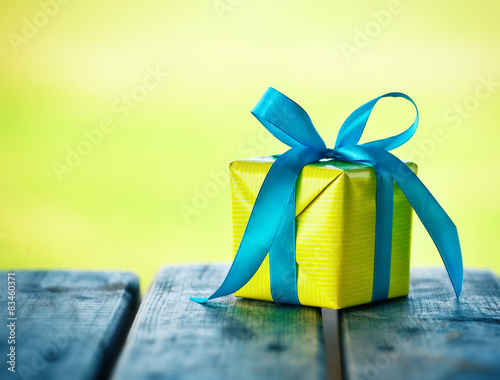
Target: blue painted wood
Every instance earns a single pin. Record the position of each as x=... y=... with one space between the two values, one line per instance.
x=175 y=338
x=70 y=324
x=428 y=335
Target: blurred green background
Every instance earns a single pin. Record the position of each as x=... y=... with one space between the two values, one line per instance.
x=118 y=118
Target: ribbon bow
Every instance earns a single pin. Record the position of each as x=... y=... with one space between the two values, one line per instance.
x=271 y=226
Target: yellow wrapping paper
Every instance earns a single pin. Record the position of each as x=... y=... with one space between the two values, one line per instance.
x=335 y=237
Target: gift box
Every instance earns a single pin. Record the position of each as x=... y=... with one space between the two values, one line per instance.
x=329 y=227
x=335 y=232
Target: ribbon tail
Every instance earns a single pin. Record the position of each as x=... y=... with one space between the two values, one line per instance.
x=267 y=216
x=438 y=224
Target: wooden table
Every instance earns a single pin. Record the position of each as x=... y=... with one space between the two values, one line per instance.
x=74 y=325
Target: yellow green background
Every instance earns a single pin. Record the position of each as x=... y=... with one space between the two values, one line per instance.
x=121 y=207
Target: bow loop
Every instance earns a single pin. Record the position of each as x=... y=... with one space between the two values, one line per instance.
x=287 y=121
x=351 y=130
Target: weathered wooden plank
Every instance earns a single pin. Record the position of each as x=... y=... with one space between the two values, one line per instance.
x=70 y=324
x=175 y=338
x=428 y=335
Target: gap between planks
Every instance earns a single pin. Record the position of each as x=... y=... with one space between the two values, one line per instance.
x=332 y=343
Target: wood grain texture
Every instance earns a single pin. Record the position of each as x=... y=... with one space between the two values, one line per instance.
x=428 y=335
x=70 y=324
x=175 y=338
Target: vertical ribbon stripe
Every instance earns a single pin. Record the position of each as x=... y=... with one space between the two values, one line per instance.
x=383 y=235
x=282 y=265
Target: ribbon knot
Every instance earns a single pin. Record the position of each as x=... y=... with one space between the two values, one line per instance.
x=271 y=226
x=331 y=153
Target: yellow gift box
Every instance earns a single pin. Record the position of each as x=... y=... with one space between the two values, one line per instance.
x=309 y=229
x=335 y=232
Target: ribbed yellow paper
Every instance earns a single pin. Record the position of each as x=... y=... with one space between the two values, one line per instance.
x=335 y=210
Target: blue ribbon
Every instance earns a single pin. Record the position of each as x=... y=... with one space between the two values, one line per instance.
x=271 y=226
